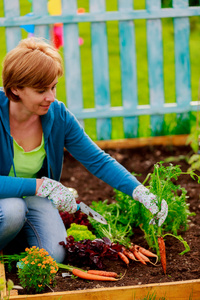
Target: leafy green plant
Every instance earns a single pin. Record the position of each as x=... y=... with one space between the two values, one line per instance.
x=8 y=285
x=119 y=228
x=37 y=269
x=80 y=232
x=9 y=259
x=193 y=141
x=126 y=214
x=162 y=183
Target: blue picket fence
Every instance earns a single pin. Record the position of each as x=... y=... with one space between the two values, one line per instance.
x=130 y=110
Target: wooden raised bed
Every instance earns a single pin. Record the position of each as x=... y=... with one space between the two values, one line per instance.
x=168 y=140
x=183 y=290
x=179 y=290
x=174 y=291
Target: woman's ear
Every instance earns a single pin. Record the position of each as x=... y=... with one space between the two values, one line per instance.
x=14 y=90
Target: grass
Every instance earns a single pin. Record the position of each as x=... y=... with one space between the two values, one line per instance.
x=171 y=121
x=153 y=296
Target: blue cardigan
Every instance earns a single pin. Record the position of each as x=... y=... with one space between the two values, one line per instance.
x=61 y=130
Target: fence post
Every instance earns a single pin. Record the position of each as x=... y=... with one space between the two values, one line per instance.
x=40 y=8
x=100 y=70
x=128 y=69
x=155 y=66
x=13 y=34
x=72 y=60
x=182 y=67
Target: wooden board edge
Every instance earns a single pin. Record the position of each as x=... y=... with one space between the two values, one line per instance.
x=180 y=290
x=170 y=140
x=2 y=275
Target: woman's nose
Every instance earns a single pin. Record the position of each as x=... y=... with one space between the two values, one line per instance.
x=50 y=96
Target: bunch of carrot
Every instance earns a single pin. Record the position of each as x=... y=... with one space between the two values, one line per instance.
x=90 y=274
x=137 y=253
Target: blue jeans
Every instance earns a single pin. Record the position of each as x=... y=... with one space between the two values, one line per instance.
x=37 y=220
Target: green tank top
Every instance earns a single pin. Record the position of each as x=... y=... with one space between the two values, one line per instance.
x=27 y=164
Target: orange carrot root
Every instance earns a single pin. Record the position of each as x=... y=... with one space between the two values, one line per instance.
x=137 y=254
x=102 y=273
x=87 y=276
x=144 y=257
x=161 y=245
x=128 y=253
x=124 y=258
x=146 y=252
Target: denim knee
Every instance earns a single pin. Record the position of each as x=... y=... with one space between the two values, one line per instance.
x=44 y=227
x=12 y=218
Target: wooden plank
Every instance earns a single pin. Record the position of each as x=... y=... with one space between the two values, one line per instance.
x=181 y=290
x=40 y=9
x=2 y=275
x=182 y=61
x=72 y=60
x=155 y=66
x=99 y=17
x=13 y=34
x=100 y=70
x=14 y=293
x=172 y=140
x=128 y=70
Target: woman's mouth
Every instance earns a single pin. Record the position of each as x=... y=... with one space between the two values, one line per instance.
x=45 y=106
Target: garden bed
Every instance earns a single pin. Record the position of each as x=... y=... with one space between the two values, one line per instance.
x=182 y=271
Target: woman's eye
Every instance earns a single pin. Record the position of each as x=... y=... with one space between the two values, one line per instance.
x=41 y=91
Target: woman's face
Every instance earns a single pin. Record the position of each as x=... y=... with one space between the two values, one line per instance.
x=36 y=101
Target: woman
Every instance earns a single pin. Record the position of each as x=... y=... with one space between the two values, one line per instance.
x=34 y=130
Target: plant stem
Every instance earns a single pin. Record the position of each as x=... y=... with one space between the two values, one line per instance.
x=68 y=267
x=155 y=242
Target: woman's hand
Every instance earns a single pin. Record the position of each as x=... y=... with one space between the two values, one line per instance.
x=149 y=200
x=60 y=196
x=39 y=181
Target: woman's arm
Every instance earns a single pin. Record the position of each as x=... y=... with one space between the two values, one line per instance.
x=17 y=187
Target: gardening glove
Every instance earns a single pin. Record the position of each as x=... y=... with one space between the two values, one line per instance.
x=61 y=197
x=143 y=195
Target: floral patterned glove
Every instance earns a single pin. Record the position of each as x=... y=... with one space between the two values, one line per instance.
x=143 y=195
x=61 y=197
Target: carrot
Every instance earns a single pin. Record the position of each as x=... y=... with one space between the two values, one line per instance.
x=161 y=245
x=146 y=252
x=102 y=273
x=137 y=254
x=124 y=258
x=144 y=257
x=87 y=276
x=128 y=253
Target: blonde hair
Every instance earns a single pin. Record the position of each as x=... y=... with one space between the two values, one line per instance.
x=33 y=63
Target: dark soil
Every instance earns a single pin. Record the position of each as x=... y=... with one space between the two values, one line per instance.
x=140 y=161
